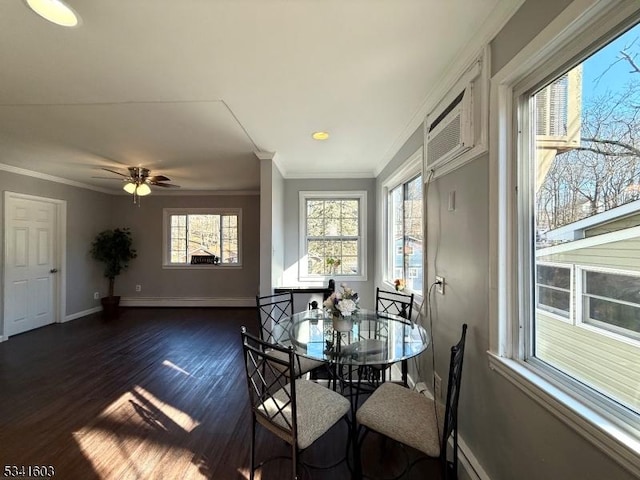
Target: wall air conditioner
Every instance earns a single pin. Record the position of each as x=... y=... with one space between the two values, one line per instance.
x=455 y=132
x=450 y=133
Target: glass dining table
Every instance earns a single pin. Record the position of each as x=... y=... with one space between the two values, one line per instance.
x=367 y=337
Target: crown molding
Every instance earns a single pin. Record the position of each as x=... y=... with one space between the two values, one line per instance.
x=497 y=19
x=51 y=178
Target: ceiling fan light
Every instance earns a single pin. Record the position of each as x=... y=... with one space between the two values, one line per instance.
x=130 y=188
x=143 y=189
x=54 y=11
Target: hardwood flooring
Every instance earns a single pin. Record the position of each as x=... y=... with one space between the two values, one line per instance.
x=155 y=394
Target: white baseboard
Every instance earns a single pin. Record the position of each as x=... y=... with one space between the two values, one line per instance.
x=81 y=314
x=1 y=339
x=469 y=462
x=187 y=302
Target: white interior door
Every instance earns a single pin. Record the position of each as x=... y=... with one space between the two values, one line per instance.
x=31 y=266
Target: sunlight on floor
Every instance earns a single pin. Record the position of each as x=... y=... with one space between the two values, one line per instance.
x=245 y=474
x=168 y=363
x=134 y=434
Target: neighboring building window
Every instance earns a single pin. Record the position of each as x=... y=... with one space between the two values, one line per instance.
x=553 y=288
x=405 y=225
x=333 y=243
x=202 y=237
x=611 y=300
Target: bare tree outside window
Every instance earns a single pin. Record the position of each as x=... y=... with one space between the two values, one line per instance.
x=602 y=169
x=332 y=236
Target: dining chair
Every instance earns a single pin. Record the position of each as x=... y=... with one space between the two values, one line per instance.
x=299 y=412
x=272 y=310
x=394 y=303
x=413 y=419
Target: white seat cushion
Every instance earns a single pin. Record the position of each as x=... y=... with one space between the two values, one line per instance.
x=319 y=408
x=404 y=415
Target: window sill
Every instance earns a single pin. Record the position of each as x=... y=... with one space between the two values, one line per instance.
x=596 y=426
x=235 y=266
x=303 y=280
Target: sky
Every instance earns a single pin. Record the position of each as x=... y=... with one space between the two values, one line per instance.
x=618 y=75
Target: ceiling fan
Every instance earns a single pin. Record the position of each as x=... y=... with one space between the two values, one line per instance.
x=138 y=181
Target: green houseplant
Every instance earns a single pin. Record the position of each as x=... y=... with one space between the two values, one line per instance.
x=115 y=249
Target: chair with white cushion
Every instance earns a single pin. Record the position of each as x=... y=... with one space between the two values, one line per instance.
x=413 y=419
x=298 y=412
x=272 y=309
x=394 y=303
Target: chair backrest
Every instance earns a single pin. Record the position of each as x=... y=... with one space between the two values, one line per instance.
x=394 y=303
x=271 y=394
x=272 y=309
x=453 y=395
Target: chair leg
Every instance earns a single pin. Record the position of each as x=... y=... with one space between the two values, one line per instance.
x=253 y=449
x=294 y=460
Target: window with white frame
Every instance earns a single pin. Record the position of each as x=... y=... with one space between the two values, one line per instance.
x=576 y=303
x=404 y=227
x=333 y=226
x=405 y=221
x=200 y=237
x=553 y=288
x=610 y=299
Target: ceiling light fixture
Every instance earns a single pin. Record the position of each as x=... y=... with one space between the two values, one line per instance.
x=55 y=11
x=137 y=189
x=130 y=188
x=320 y=135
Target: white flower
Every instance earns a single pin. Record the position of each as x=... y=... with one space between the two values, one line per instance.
x=328 y=303
x=347 y=307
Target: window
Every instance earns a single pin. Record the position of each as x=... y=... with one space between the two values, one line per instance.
x=611 y=300
x=333 y=226
x=565 y=194
x=202 y=237
x=553 y=289
x=405 y=219
x=402 y=245
x=584 y=157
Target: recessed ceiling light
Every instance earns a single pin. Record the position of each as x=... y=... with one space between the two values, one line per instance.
x=55 y=11
x=320 y=135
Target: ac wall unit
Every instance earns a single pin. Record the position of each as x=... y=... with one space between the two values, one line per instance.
x=450 y=131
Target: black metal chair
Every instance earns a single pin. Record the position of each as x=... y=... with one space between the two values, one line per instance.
x=394 y=303
x=272 y=309
x=416 y=420
x=299 y=412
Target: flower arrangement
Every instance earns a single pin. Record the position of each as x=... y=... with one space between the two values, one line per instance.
x=399 y=283
x=343 y=303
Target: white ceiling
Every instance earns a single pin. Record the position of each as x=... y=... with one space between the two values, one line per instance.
x=192 y=88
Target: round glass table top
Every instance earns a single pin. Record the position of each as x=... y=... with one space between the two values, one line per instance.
x=367 y=337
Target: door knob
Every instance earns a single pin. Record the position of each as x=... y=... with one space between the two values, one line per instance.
x=53 y=270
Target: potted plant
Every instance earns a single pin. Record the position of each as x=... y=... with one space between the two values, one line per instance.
x=114 y=249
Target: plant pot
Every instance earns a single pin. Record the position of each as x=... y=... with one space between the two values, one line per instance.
x=110 y=307
x=342 y=324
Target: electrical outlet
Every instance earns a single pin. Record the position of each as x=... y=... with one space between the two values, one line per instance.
x=440 y=285
x=138 y=288
x=437 y=386
x=96 y=295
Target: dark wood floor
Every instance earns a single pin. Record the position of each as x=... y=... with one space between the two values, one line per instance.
x=155 y=394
